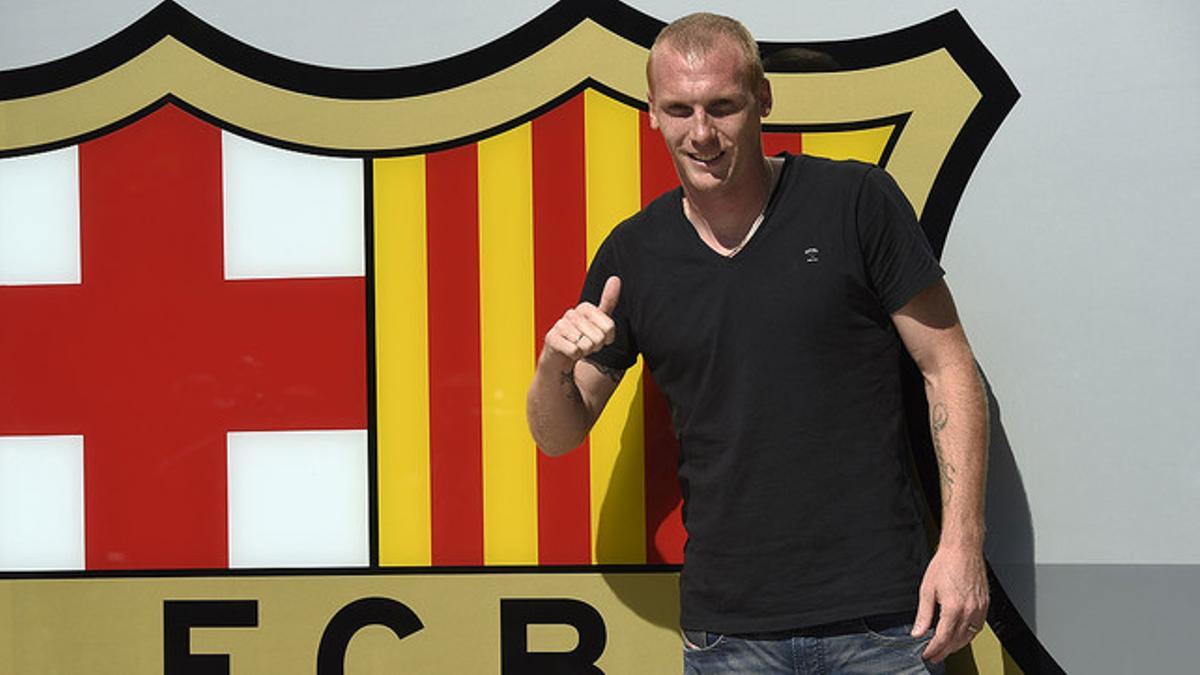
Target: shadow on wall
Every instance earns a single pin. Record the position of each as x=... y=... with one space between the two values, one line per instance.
x=1009 y=547
x=657 y=603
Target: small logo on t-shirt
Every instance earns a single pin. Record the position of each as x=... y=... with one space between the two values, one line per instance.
x=810 y=255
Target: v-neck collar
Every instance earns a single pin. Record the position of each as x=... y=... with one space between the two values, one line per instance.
x=763 y=228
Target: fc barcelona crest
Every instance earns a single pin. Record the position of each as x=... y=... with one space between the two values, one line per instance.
x=266 y=316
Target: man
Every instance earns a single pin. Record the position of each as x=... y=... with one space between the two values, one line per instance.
x=770 y=298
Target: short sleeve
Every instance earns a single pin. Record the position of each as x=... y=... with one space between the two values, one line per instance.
x=897 y=257
x=622 y=353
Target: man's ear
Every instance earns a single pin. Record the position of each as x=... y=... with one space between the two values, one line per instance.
x=764 y=97
x=650 y=106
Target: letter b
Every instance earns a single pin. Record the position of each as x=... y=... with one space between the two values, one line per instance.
x=517 y=615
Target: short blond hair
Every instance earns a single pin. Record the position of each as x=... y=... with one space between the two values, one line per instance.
x=700 y=33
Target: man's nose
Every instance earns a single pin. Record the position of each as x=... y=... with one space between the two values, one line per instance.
x=701 y=128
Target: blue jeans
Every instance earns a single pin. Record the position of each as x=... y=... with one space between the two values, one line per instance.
x=873 y=645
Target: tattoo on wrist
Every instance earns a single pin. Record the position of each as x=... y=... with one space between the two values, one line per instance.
x=614 y=374
x=939 y=417
x=567 y=379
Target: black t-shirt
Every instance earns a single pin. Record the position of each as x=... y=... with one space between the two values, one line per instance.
x=781 y=368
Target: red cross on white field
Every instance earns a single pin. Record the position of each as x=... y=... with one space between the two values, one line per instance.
x=155 y=356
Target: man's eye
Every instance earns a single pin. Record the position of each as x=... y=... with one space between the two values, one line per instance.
x=679 y=111
x=722 y=109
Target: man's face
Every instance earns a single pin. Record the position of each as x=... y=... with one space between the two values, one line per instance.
x=709 y=115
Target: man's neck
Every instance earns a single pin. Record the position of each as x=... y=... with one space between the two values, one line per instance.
x=723 y=218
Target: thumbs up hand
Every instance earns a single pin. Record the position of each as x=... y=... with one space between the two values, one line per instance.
x=586 y=328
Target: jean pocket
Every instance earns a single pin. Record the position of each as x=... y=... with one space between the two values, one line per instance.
x=896 y=627
x=700 y=640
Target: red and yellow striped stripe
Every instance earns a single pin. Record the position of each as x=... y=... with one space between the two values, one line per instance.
x=506 y=328
x=402 y=360
x=560 y=262
x=479 y=249
x=455 y=458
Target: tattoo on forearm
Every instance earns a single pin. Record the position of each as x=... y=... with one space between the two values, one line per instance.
x=939 y=418
x=614 y=374
x=567 y=379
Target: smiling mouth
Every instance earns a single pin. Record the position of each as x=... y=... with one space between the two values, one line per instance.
x=706 y=159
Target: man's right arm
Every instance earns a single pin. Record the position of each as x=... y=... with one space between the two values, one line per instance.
x=568 y=392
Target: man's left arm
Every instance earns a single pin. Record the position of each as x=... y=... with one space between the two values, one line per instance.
x=956 y=579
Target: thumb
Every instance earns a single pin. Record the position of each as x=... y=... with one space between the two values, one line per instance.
x=924 y=612
x=608 y=298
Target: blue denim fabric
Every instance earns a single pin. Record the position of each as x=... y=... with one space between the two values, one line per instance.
x=874 y=645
